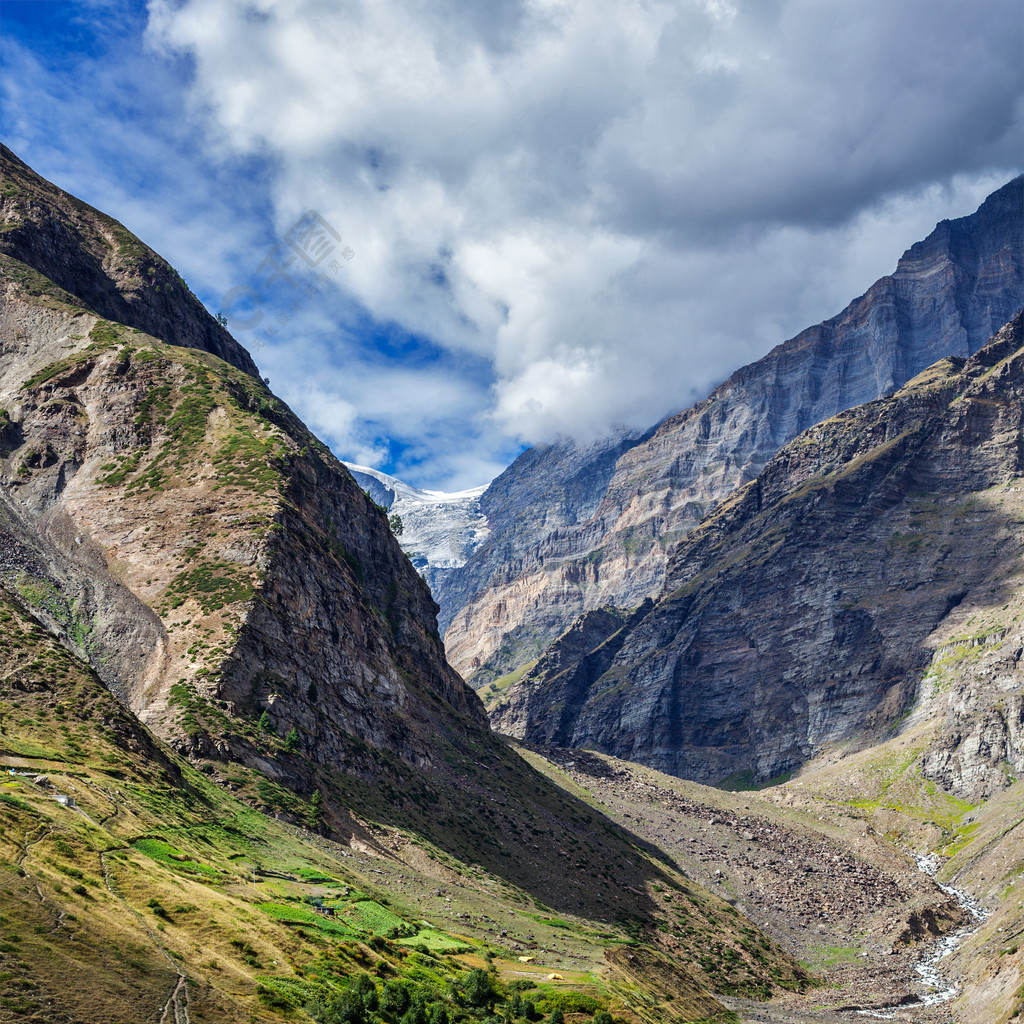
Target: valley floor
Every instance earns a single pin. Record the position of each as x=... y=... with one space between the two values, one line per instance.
x=824 y=876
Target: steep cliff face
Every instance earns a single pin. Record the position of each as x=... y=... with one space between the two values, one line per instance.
x=948 y=295
x=170 y=530
x=519 y=589
x=100 y=265
x=805 y=610
x=175 y=521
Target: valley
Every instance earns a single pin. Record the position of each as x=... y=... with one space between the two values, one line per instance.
x=741 y=676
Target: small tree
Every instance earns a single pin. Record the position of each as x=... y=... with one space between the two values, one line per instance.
x=396 y=524
x=478 y=988
x=364 y=985
x=315 y=811
x=557 y=1017
x=603 y=1017
x=291 y=741
x=438 y=1015
x=416 y=1014
x=346 y=1008
x=263 y=726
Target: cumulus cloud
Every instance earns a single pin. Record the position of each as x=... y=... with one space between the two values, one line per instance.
x=565 y=215
x=614 y=203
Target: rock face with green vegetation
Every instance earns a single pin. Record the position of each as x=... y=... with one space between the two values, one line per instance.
x=181 y=527
x=204 y=617
x=629 y=501
x=133 y=888
x=50 y=238
x=817 y=603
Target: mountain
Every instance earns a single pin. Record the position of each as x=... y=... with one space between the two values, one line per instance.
x=214 y=652
x=440 y=530
x=633 y=499
x=817 y=603
x=200 y=548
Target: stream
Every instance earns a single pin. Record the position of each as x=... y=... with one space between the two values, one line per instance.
x=927 y=968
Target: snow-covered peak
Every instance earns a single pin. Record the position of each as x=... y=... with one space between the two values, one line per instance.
x=409 y=493
x=441 y=529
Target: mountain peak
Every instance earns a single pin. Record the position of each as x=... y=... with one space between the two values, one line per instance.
x=103 y=265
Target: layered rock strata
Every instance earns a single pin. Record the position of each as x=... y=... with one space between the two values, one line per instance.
x=540 y=568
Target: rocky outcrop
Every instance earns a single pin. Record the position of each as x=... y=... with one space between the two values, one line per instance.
x=947 y=296
x=804 y=611
x=99 y=266
x=975 y=684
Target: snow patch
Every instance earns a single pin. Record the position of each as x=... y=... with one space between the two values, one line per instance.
x=441 y=528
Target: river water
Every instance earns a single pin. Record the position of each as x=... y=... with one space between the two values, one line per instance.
x=938 y=989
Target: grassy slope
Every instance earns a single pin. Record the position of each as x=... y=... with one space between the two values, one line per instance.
x=150 y=878
x=495 y=836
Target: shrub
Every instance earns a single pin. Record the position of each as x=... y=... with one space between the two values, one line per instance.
x=396 y=997
x=479 y=989
x=438 y=1015
x=367 y=991
x=416 y=1014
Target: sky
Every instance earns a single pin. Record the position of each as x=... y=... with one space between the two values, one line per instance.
x=450 y=229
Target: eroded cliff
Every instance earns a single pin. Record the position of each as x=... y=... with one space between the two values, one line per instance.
x=806 y=609
x=947 y=296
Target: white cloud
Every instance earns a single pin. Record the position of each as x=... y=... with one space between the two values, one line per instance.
x=614 y=203
x=592 y=211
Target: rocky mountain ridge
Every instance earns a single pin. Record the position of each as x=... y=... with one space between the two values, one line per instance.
x=99 y=265
x=187 y=536
x=639 y=496
x=807 y=609
x=171 y=534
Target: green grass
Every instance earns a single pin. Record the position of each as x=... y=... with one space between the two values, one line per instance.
x=435 y=941
x=371 y=916
x=296 y=914
x=170 y=856
x=212 y=584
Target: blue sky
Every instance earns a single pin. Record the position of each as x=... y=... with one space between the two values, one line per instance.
x=558 y=217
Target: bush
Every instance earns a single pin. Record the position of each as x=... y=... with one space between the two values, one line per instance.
x=603 y=1017
x=478 y=988
x=367 y=991
x=416 y=1014
x=396 y=997
x=345 y=1008
x=572 y=1002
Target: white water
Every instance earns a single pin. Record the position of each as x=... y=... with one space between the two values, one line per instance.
x=938 y=989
